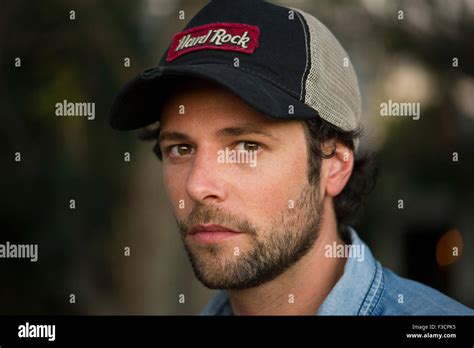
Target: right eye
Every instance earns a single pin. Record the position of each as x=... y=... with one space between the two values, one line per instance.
x=180 y=150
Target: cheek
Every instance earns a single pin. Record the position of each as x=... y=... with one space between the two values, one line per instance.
x=175 y=183
x=274 y=182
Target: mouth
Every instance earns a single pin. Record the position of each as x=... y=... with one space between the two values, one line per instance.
x=211 y=233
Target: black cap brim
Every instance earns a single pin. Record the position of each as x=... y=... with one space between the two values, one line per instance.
x=138 y=103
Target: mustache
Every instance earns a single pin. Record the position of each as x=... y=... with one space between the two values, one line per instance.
x=202 y=214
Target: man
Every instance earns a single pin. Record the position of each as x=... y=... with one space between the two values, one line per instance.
x=259 y=116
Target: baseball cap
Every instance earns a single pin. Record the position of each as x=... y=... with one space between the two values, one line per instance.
x=282 y=61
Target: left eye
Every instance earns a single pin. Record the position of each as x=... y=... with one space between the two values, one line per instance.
x=248 y=146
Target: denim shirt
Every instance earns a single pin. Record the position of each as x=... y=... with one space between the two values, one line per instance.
x=367 y=288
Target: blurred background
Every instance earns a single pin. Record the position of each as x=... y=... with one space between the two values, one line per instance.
x=425 y=54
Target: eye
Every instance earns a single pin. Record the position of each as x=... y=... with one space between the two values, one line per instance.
x=248 y=146
x=180 y=150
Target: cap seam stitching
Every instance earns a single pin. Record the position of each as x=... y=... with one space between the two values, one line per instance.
x=269 y=79
x=276 y=83
x=307 y=55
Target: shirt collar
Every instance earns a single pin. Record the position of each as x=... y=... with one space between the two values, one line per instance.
x=359 y=286
x=355 y=293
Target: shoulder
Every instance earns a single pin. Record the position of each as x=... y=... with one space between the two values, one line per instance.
x=401 y=296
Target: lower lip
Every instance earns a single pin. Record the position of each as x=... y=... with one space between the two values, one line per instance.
x=213 y=237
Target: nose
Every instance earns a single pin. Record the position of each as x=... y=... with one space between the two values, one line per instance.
x=206 y=180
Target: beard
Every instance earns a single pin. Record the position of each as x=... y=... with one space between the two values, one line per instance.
x=273 y=249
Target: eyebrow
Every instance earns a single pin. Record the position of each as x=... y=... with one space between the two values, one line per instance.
x=224 y=132
x=244 y=130
x=176 y=136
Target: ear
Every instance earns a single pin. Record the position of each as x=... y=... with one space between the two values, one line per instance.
x=338 y=169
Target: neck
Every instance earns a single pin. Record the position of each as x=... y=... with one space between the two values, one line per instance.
x=302 y=288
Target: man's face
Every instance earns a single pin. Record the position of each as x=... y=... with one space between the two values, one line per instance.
x=271 y=208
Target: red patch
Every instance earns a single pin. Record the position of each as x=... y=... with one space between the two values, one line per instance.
x=237 y=37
